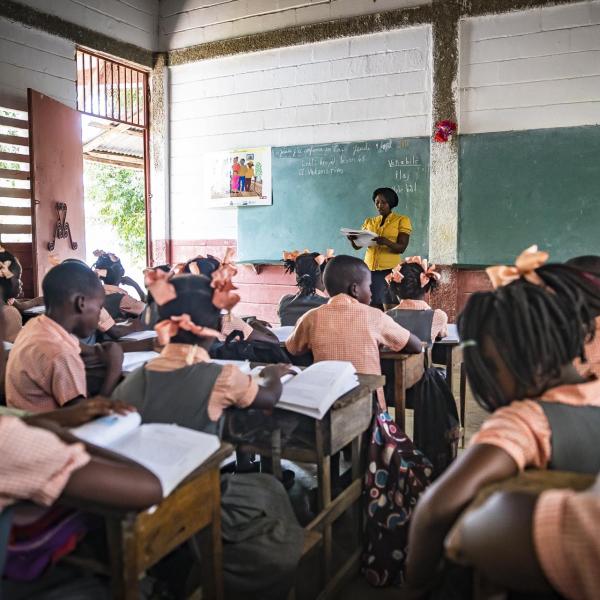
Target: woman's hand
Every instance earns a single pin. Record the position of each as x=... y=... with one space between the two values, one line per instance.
x=382 y=241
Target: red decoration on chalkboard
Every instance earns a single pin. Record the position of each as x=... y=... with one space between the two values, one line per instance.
x=444 y=130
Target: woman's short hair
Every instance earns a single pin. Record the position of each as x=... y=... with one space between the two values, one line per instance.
x=389 y=194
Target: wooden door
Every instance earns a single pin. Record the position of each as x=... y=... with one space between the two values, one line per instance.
x=56 y=156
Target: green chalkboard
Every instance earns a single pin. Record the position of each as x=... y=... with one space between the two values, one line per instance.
x=318 y=189
x=519 y=188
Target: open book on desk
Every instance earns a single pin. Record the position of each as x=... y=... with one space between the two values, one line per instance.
x=138 y=336
x=314 y=390
x=169 y=451
x=363 y=238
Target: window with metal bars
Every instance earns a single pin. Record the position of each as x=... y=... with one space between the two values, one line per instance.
x=112 y=90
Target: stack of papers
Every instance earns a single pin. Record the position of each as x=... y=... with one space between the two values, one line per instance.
x=313 y=391
x=364 y=238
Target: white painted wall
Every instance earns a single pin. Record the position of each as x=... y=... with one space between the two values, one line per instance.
x=133 y=21
x=31 y=58
x=365 y=87
x=189 y=22
x=531 y=69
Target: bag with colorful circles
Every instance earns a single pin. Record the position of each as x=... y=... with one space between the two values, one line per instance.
x=397 y=474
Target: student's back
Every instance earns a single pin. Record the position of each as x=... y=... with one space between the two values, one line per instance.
x=519 y=344
x=308 y=268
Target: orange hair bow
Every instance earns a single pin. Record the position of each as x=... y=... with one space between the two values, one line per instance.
x=323 y=258
x=157 y=283
x=395 y=276
x=223 y=297
x=294 y=255
x=429 y=271
x=5 y=272
x=170 y=328
x=527 y=262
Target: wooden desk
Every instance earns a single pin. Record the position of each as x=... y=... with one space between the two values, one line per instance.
x=408 y=370
x=532 y=481
x=138 y=540
x=315 y=442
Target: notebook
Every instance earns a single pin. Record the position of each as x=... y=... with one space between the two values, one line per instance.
x=169 y=451
x=135 y=360
x=363 y=239
x=314 y=390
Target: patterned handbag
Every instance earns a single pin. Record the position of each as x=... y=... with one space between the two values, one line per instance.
x=397 y=474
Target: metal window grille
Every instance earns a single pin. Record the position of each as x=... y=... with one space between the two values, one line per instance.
x=112 y=90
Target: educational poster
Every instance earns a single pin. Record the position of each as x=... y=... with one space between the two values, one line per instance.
x=238 y=177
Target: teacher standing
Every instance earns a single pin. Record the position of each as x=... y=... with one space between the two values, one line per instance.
x=393 y=234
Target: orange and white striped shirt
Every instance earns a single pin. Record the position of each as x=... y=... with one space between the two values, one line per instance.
x=231 y=323
x=565 y=525
x=129 y=305
x=345 y=329
x=44 y=369
x=439 y=325
x=36 y=464
x=522 y=429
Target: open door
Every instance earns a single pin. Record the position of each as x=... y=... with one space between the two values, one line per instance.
x=56 y=166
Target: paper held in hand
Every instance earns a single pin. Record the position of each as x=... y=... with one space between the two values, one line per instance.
x=363 y=238
x=169 y=451
x=313 y=391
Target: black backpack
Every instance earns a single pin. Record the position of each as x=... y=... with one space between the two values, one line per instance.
x=436 y=425
x=235 y=347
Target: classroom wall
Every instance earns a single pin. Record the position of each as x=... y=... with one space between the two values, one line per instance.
x=189 y=22
x=531 y=69
x=132 y=21
x=32 y=58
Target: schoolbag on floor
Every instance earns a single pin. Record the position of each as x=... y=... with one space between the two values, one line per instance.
x=397 y=474
x=436 y=428
x=235 y=347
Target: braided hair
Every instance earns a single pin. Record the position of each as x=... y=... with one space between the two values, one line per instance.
x=410 y=287
x=114 y=269
x=206 y=265
x=194 y=297
x=10 y=287
x=307 y=270
x=536 y=330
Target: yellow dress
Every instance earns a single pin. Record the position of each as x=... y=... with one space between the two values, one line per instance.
x=380 y=258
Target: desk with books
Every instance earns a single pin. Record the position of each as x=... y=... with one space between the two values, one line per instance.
x=139 y=540
x=315 y=441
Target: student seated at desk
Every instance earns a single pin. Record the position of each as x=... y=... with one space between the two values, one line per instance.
x=184 y=387
x=207 y=265
x=347 y=328
x=308 y=267
x=409 y=282
x=590 y=268
x=519 y=344
x=11 y=287
x=531 y=543
x=45 y=369
x=118 y=303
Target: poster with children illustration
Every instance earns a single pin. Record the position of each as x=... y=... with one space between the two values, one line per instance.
x=238 y=177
